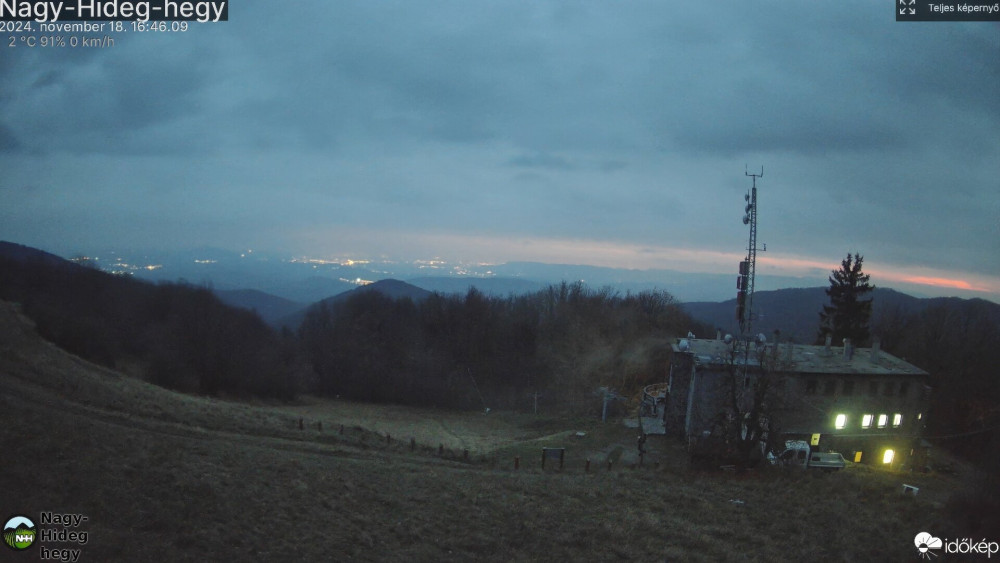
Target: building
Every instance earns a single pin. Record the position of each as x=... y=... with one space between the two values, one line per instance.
x=861 y=402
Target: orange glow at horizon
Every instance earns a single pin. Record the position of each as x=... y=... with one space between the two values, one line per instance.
x=942 y=282
x=498 y=249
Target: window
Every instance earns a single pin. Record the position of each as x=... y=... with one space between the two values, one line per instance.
x=848 y=387
x=866 y=420
x=830 y=387
x=897 y=420
x=840 y=422
x=873 y=388
x=888 y=388
x=887 y=456
x=811 y=387
x=882 y=420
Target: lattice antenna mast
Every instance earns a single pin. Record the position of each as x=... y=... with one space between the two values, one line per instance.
x=748 y=267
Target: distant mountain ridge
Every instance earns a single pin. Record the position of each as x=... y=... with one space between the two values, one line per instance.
x=22 y=253
x=394 y=289
x=500 y=286
x=270 y=308
x=795 y=311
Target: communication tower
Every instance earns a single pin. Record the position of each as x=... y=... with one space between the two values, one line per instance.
x=748 y=267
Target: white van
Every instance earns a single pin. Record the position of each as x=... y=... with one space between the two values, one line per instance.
x=798 y=452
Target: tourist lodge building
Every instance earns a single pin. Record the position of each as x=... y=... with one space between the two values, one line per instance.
x=864 y=403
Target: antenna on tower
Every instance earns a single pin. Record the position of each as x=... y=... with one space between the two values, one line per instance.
x=748 y=267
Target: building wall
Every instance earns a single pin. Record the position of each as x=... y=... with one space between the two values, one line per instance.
x=879 y=412
x=809 y=405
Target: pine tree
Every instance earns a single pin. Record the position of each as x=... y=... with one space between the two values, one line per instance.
x=848 y=314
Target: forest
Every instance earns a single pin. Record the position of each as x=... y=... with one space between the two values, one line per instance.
x=554 y=348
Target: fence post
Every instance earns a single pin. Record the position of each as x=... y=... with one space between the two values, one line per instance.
x=517 y=462
x=413 y=444
x=440 y=450
x=301 y=427
x=587 y=468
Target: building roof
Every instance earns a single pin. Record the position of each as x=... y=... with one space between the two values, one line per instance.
x=800 y=358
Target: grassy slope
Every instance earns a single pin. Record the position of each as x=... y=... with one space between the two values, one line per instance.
x=164 y=476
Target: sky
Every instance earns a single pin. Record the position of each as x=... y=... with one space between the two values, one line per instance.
x=585 y=132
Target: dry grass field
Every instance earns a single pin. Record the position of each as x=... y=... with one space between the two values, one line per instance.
x=168 y=477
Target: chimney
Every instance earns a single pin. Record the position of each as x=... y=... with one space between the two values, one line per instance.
x=876 y=348
x=829 y=340
x=848 y=349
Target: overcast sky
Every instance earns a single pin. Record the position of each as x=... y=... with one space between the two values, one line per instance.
x=605 y=132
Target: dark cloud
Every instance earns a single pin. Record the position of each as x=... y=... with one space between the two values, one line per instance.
x=622 y=122
x=541 y=161
x=8 y=142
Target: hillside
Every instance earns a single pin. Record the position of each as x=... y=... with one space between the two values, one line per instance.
x=174 y=334
x=146 y=465
x=270 y=308
x=393 y=289
x=489 y=286
x=795 y=311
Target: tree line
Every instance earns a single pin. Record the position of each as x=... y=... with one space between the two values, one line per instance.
x=447 y=350
x=478 y=350
x=176 y=335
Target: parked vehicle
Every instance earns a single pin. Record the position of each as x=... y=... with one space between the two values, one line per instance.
x=799 y=453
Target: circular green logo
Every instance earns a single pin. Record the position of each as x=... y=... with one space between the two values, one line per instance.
x=19 y=533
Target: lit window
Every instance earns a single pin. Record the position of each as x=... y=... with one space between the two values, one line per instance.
x=841 y=421
x=882 y=420
x=866 y=421
x=887 y=456
x=920 y=416
x=857 y=457
x=897 y=419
